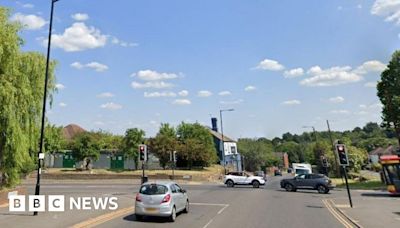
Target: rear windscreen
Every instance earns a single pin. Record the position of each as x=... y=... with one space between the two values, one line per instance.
x=153 y=189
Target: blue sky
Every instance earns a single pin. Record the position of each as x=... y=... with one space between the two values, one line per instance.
x=281 y=64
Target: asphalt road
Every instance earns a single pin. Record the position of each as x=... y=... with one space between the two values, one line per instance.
x=211 y=206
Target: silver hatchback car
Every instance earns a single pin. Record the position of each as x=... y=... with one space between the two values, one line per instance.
x=161 y=199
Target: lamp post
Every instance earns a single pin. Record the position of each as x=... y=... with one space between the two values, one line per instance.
x=313 y=128
x=40 y=155
x=222 y=133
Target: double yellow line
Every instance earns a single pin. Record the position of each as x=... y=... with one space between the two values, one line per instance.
x=104 y=218
x=336 y=214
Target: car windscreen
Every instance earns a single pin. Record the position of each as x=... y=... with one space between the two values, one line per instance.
x=153 y=189
x=302 y=171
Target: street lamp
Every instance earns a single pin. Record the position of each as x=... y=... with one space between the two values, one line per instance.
x=222 y=133
x=315 y=135
x=40 y=155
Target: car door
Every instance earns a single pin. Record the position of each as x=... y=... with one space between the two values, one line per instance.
x=308 y=181
x=180 y=203
x=241 y=178
x=175 y=196
x=300 y=181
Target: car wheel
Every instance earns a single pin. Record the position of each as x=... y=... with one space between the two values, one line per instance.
x=186 y=210
x=256 y=184
x=322 y=189
x=289 y=188
x=139 y=217
x=172 y=218
x=229 y=183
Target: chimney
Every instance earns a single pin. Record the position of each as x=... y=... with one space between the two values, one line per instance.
x=214 y=124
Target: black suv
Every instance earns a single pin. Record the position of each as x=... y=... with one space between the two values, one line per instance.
x=318 y=182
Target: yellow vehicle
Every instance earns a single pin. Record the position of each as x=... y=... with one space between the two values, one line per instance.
x=391 y=172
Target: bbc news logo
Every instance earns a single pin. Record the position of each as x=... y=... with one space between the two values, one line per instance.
x=56 y=203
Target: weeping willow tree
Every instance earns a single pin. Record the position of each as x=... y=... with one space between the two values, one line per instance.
x=21 y=93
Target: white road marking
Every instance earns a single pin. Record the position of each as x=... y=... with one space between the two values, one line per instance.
x=210 y=204
x=222 y=209
x=208 y=223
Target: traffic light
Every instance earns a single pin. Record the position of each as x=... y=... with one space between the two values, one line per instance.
x=142 y=152
x=342 y=154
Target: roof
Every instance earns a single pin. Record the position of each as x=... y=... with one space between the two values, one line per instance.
x=71 y=130
x=383 y=151
x=219 y=136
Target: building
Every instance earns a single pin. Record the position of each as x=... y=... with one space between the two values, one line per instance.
x=375 y=154
x=283 y=159
x=231 y=156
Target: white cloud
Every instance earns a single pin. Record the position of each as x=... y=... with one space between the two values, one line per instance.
x=28 y=5
x=159 y=94
x=94 y=65
x=60 y=86
x=337 y=99
x=359 y=6
x=117 y=41
x=181 y=102
x=77 y=65
x=97 y=66
x=370 y=66
x=249 y=88
x=361 y=113
x=78 y=37
x=150 y=75
x=370 y=84
x=62 y=104
x=80 y=16
x=204 y=93
x=330 y=77
x=389 y=9
x=297 y=72
x=111 y=106
x=224 y=93
x=291 y=102
x=105 y=95
x=153 y=85
x=269 y=64
x=183 y=93
x=342 y=111
x=30 y=22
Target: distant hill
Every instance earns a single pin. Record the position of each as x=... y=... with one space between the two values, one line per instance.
x=71 y=130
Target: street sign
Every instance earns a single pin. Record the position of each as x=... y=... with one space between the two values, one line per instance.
x=342 y=154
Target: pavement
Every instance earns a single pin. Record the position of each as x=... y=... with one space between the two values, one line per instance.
x=214 y=205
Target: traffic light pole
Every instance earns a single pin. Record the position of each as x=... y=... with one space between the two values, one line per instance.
x=347 y=186
x=142 y=172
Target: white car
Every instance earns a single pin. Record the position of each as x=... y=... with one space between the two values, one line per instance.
x=161 y=199
x=242 y=178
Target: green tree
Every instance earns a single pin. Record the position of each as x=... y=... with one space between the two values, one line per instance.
x=164 y=143
x=85 y=148
x=257 y=153
x=53 y=140
x=133 y=137
x=21 y=94
x=389 y=94
x=196 y=145
x=292 y=149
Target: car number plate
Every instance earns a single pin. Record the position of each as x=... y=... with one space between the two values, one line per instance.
x=150 y=209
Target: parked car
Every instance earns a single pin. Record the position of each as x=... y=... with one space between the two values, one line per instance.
x=277 y=172
x=161 y=199
x=319 y=182
x=261 y=174
x=243 y=178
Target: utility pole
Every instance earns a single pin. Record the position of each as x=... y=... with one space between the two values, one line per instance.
x=41 y=154
x=333 y=149
x=222 y=138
